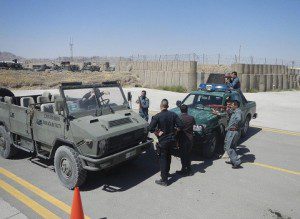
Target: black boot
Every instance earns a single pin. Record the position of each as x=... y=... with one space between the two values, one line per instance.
x=181 y=172
x=189 y=172
x=161 y=182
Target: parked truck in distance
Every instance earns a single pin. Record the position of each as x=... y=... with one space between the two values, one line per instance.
x=83 y=128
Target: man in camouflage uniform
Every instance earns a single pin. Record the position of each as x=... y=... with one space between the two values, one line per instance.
x=233 y=134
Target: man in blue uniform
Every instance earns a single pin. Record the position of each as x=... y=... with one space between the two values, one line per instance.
x=164 y=125
x=235 y=83
x=143 y=102
x=233 y=134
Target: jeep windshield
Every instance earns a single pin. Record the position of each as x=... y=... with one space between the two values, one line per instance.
x=202 y=100
x=94 y=100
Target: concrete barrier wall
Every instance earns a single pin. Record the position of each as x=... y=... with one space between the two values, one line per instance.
x=276 y=77
x=163 y=73
x=189 y=74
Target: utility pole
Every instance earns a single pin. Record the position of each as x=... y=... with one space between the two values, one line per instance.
x=71 y=44
x=240 y=53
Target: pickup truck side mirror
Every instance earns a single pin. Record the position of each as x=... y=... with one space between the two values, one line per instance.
x=178 y=103
x=59 y=105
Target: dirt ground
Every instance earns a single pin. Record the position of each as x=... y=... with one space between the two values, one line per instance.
x=42 y=80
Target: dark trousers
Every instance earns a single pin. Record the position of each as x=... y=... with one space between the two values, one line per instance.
x=185 y=156
x=165 y=159
x=144 y=114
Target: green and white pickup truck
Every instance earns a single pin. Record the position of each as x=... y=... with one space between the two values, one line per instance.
x=210 y=135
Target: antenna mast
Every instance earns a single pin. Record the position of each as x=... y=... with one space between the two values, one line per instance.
x=71 y=44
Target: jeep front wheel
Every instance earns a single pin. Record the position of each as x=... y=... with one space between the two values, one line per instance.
x=68 y=167
x=7 y=150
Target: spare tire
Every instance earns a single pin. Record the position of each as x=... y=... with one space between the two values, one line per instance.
x=4 y=92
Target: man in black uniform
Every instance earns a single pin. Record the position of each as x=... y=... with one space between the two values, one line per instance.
x=165 y=124
x=186 y=141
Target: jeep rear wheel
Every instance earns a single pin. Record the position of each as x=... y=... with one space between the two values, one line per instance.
x=245 y=127
x=209 y=148
x=7 y=150
x=68 y=167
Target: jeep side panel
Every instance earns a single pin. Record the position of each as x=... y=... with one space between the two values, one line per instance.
x=20 y=121
x=47 y=127
x=4 y=114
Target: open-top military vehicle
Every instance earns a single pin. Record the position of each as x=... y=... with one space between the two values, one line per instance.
x=83 y=128
x=210 y=134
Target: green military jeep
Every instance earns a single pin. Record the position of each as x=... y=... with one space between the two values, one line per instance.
x=210 y=133
x=83 y=128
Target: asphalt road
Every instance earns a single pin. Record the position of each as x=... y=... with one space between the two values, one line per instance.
x=268 y=185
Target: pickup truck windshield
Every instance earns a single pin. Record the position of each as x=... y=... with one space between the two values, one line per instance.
x=89 y=99
x=200 y=100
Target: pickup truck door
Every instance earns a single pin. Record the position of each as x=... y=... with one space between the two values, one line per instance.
x=47 y=127
x=20 y=121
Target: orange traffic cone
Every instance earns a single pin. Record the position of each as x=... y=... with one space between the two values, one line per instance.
x=77 y=210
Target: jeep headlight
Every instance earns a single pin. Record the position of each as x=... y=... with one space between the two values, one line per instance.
x=102 y=146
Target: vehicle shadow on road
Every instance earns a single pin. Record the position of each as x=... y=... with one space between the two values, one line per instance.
x=124 y=176
x=199 y=167
x=251 y=132
x=20 y=155
x=242 y=150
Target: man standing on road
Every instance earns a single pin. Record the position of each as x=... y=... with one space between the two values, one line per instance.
x=233 y=134
x=143 y=102
x=164 y=125
x=186 y=141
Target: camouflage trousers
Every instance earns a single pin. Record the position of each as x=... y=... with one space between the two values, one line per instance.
x=230 y=144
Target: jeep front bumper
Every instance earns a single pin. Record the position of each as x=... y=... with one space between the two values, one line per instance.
x=93 y=164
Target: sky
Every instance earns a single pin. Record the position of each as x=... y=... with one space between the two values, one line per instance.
x=42 y=28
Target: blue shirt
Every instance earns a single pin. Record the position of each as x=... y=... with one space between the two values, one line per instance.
x=235 y=84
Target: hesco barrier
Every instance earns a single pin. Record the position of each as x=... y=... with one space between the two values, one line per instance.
x=267 y=77
x=163 y=73
x=184 y=73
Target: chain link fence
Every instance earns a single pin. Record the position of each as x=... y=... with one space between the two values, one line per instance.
x=216 y=59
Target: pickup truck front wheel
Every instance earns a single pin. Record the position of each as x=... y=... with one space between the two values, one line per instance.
x=210 y=147
x=7 y=150
x=68 y=167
